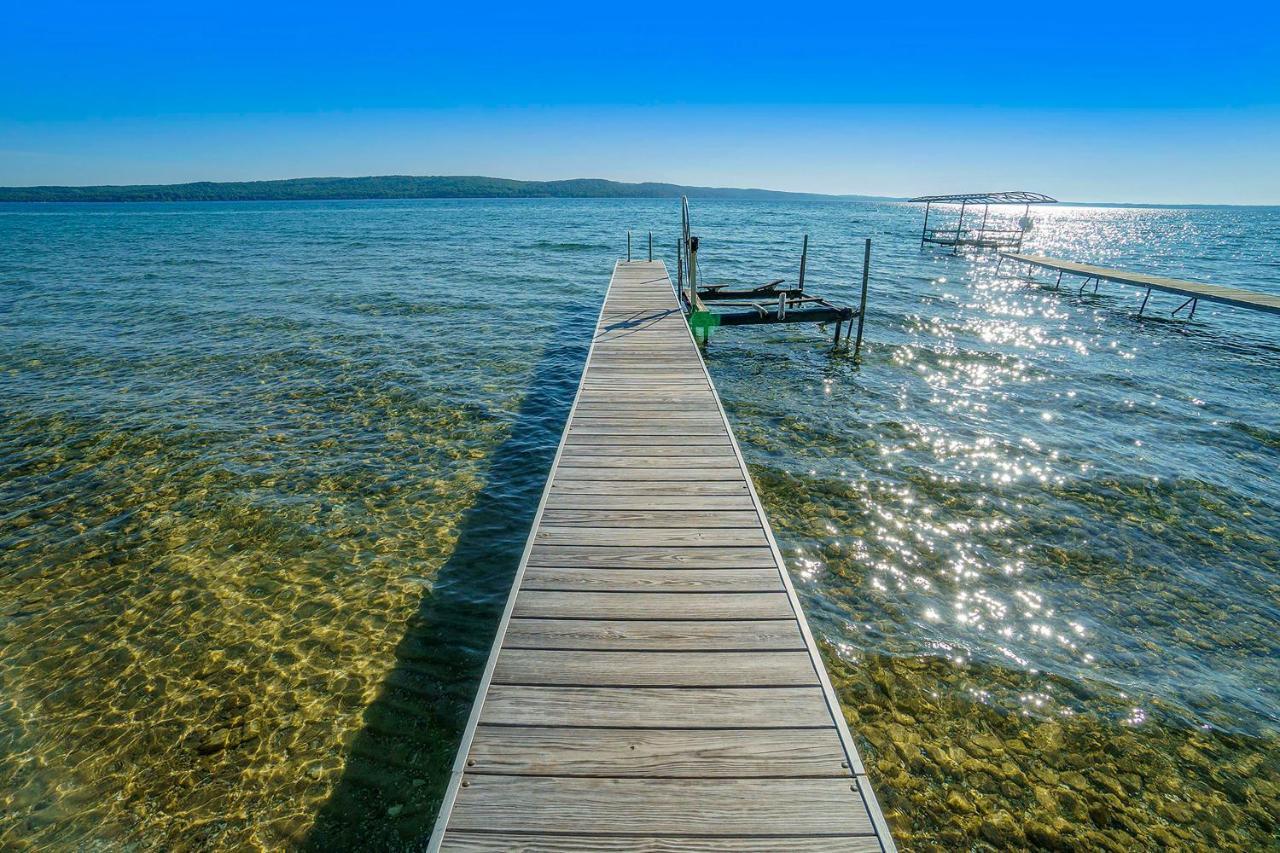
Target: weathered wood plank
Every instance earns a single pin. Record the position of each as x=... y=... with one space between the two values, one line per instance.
x=618 y=411
x=640 y=635
x=652 y=580
x=577 y=438
x=579 y=668
x=678 y=452
x=669 y=753
x=702 y=473
x=500 y=842
x=691 y=433
x=568 y=500
x=637 y=806
x=670 y=488
x=652 y=557
x=649 y=517
x=652 y=605
x=721 y=537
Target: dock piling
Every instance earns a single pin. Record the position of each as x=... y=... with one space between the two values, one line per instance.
x=862 y=304
x=804 y=258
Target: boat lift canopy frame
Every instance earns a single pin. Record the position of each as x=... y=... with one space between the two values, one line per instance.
x=981 y=237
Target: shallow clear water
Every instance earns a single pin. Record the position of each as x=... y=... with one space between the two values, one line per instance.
x=265 y=472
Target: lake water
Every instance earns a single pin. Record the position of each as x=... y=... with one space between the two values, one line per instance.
x=266 y=471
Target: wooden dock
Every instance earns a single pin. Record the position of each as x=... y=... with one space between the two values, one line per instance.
x=653 y=685
x=1192 y=291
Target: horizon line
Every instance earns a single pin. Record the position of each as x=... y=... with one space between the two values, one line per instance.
x=18 y=188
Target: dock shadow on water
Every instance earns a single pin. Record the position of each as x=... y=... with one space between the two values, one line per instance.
x=397 y=766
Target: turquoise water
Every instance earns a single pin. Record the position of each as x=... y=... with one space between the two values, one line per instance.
x=265 y=471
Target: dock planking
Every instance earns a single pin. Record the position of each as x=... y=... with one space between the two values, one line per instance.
x=653 y=685
x=1191 y=290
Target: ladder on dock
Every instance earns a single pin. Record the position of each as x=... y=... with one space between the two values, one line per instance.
x=653 y=684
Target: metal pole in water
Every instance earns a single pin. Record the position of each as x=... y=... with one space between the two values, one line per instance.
x=1144 y=302
x=679 y=270
x=692 y=272
x=628 y=245
x=925 y=229
x=955 y=247
x=693 y=287
x=862 y=306
x=804 y=257
x=650 y=247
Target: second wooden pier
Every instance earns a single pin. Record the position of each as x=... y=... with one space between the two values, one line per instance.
x=653 y=685
x=1192 y=291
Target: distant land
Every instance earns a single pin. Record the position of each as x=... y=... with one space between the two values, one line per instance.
x=391 y=187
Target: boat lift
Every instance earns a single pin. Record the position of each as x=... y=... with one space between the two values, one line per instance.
x=981 y=237
x=772 y=302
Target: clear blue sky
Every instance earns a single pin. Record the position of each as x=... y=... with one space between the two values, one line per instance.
x=1083 y=100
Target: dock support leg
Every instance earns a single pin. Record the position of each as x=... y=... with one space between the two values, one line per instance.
x=1193 y=301
x=628 y=246
x=1057 y=285
x=1144 y=302
x=999 y=263
x=1082 y=287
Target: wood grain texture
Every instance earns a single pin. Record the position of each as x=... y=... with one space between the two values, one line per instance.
x=649 y=517
x=638 y=806
x=680 y=451
x=578 y=668
x=630 y=535
x=493 y=842
x=560 y=499
x=654 y=634
x=663 y=488
x=651 y=557
x=647 y=473
x=732 y=753
x=653 y=605
x=651 y=580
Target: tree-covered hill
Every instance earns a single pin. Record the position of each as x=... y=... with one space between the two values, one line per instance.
x=383 y=187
